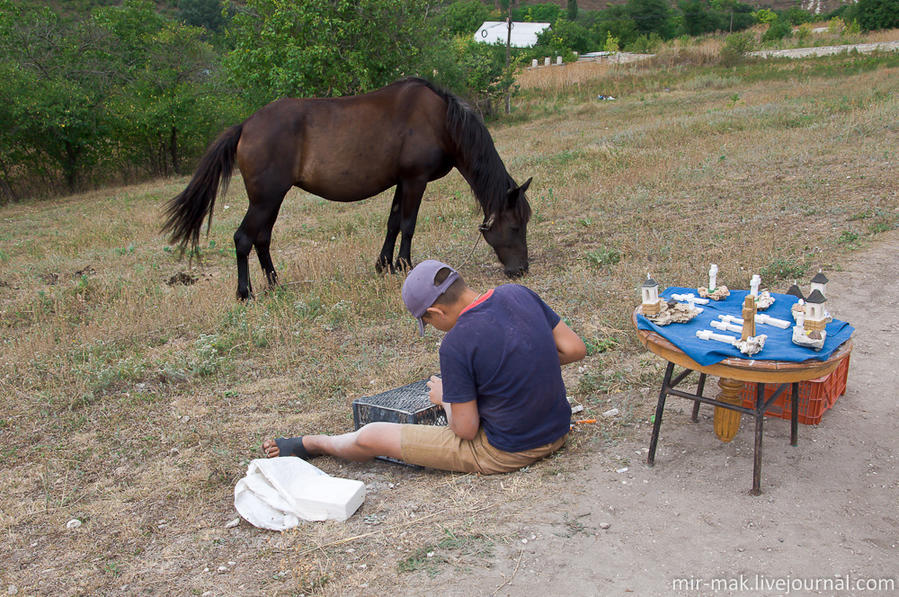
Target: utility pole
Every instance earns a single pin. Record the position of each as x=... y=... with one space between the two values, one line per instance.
x=507 y=75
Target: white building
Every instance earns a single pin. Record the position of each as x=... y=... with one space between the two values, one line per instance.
x=524 y=35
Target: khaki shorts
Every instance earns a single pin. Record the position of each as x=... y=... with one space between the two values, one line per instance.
x=438 y=447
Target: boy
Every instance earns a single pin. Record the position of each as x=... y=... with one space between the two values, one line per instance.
x=500 y=385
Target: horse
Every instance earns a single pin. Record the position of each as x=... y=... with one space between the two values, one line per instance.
x=348 y=149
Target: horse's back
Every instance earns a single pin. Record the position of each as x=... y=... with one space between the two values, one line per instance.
x=347 y=148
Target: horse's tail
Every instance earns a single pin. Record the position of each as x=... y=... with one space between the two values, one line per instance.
x=185 y=213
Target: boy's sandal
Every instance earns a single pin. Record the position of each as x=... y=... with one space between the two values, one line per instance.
x=293 y=446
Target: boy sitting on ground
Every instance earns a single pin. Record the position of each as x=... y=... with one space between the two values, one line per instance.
x=500 y=382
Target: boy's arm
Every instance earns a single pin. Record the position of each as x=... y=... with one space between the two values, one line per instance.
x=571 y=348
x=461 y=417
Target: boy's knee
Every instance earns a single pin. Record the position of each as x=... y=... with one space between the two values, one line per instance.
x=367 y=435
x=375 y=437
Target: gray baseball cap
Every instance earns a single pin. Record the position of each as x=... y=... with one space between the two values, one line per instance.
x=420 y=291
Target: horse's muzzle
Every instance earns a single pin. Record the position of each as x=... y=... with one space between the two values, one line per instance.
x=516 y=272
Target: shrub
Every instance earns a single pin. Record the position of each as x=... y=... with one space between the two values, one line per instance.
x=736 y=45
x=779 y=29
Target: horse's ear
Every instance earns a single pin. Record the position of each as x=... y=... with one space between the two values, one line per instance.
x=525 y=186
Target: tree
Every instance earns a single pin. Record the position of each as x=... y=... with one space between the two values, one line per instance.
x=58 y=80
x=323 y=47
x=877 y=14
x=537 y=13
x=651 y=16
x=465 y=16
x=572 y=10
x=203 y=13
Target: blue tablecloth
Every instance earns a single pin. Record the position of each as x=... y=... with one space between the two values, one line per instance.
x=778 y=347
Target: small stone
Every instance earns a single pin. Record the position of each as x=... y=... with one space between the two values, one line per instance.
x=231 y=563
x=622 y=470
x=612 y=412
x=604 y=525
x=174 y=452
x=524 y=540
x=232 y=523
x=12 y=590
x=222 y=568
x=73 y=524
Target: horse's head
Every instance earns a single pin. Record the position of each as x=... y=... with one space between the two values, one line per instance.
x=506 y=230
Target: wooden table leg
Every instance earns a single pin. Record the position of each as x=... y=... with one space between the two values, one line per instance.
x=727 y=422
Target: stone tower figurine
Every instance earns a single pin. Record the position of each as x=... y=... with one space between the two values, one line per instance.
x=748 y=317
x=815 y=317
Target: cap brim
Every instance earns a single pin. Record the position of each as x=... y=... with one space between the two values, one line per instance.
x=421 y=327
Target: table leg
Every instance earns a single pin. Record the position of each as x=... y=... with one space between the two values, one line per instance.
x=794 y=415
x=759 y=422
x=727 y=422
x=660 y=408
x=699 y=390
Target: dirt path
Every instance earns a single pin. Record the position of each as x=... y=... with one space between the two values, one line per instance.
x=828 y=510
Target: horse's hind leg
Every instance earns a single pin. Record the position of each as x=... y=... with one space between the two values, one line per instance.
x=256 y=230
x=385 y=260
x=262 y=244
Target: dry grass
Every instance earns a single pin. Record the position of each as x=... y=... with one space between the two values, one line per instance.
x=134 y=405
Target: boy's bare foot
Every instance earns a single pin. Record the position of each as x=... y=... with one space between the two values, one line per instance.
x=270 y=448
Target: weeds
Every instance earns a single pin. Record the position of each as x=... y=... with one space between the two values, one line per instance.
x=603 y=256
x=783 y=268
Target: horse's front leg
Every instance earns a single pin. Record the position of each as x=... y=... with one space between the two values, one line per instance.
x=412 y=194
x=385 y=259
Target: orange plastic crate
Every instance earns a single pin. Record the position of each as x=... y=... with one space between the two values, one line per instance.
x=815 y=396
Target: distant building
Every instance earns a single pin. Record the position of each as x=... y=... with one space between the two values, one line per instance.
x=524 y=35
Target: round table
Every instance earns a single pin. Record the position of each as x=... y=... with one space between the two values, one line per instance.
x=732 y=372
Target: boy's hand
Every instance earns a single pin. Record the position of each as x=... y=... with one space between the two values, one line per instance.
x=435 y=390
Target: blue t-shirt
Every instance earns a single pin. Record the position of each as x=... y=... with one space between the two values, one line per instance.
x=501 y=352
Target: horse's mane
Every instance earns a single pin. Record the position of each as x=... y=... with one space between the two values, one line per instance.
x=474 y=147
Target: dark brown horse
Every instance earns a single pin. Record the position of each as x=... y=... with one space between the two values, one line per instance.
x=351 y=148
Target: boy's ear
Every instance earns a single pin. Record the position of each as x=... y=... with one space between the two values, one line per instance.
x=435 y=310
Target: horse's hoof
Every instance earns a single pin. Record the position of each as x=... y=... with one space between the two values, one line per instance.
x=402 y=265
x=384 y=268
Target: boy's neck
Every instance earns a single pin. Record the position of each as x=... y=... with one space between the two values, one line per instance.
x=467 y=297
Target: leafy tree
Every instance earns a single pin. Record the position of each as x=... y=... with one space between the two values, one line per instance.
x=58 y=80
x=617 y=22
x=797 y=16
x=651 y=16
x=564 y=37
x=538 y=13
x=207 y=14
x=572 y=10
x=765 y=15
x=465 y=16
x=323 y=47
x=877 y=14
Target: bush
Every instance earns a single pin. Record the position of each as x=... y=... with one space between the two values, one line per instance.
x=645 y=44
x=779 y=29
x=736 y=45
